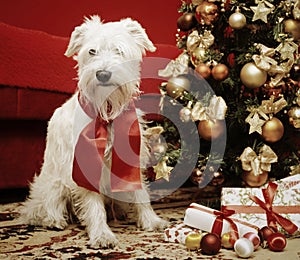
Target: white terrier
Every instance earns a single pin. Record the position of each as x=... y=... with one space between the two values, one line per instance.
x=95 y=135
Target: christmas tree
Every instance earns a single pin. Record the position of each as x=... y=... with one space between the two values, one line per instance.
x=237 y=83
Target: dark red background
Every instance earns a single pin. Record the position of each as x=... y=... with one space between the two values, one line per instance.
x=59 y=17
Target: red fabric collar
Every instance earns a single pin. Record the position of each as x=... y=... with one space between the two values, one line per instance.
x=125 y=160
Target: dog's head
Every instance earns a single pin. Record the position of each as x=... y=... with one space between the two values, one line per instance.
x=108 y=57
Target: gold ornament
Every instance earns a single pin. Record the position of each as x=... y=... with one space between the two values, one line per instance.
x=255 y=124
x=203 y=70
x=228 y=240
x=218 y=178
x=197 y=176
x=272 y=130
x=252 y=76
x=261 y=11
x=220 y=72
x=162 y=170
x=256 y=167
x=206 y=13
x=198 y=56
x=176 y=86
x=176 y=67
x=192 y=241
x=237 y=20
x=211 y=130
x=293 y=27
x=204 y=40
x=294 y=116
x=186 y=22
x=253 y=180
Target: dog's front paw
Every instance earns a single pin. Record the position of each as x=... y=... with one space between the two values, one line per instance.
x=103 y=240
x=155 y=223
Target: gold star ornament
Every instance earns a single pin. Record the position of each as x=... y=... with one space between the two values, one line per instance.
x=261 y=11
x=162 y=170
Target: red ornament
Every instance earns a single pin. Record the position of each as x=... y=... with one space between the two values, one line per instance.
x=276 y=241
x=210 y=244
x=265 y=232
x=254 y=238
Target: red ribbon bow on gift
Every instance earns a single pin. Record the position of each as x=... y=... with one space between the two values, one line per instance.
x=125 y=156
x=218 y=224
x=273 y=217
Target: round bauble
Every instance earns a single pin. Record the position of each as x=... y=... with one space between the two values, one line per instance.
x=243 y=247
x=253 y=180
x=276 y=242
x=211 y=130
x=203 y=70
x=237 y=20
x=293 y=27
x=186 y=22
x=197 y=176
x=294 y=116
x=210 y=244
x=265 y=232
x=192 y=241
x=176 y=86
x=218 y=178
x=295 y=72
x=254 y=238
x=252 y=76
x=206 y=13
x=220 y=72
x=272 y=130
x=228 y=240
x=198 y=56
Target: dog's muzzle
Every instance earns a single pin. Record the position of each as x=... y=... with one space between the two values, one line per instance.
x=103 y=75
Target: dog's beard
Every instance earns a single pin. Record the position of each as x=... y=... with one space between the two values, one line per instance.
x=111 y=99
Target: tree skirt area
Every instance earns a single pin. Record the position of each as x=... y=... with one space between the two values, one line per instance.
x=19 y=241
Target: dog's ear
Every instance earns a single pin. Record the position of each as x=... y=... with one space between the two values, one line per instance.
x=139 y=34
x=79 y=33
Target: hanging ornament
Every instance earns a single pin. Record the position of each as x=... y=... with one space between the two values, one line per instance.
x=211 y=130
x=272 y=130
x=295 y=72
x=256 y=167
x=203 y=70
x=218 y=178
x=186 y=22
x=198 y=56
x=220 y=72
x=162 y=170
x=254 y=121
x=197 y=176
x=237 y=20
x=293 y=27
x=185 y=113
x=294 y=117
x=206 y=13
x=205 y=40
x=177 y=85
x=261 y=11
x=252 y=76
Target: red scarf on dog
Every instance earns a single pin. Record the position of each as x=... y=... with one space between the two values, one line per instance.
x=91 y=144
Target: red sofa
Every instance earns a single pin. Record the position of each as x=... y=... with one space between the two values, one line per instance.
x=35 y=79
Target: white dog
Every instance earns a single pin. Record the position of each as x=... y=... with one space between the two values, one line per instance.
x=78 y=154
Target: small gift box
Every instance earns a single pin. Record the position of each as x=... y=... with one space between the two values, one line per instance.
x=178 y=233
x=277 y=205
x=215 y=221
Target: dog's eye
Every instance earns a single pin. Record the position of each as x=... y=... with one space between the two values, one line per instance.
x=92 y=52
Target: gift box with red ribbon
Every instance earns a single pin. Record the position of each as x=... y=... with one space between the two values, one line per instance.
x=178 y=233
x=276 y=205
x=215 y=221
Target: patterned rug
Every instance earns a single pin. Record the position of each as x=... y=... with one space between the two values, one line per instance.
x=19 y=241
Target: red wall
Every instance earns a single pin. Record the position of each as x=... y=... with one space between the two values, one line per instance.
x=59 y=17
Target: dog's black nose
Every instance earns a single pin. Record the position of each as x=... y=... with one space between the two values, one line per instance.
x=103 y=75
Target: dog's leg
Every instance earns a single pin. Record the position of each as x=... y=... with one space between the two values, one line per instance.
x=90 y=209
x=147 y=218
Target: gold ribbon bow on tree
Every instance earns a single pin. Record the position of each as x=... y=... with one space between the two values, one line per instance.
x=215 y=111
x=271 y=107
x=195 y=40
x=176 y=67
x=258 y=163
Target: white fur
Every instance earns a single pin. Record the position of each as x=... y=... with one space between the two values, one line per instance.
x=54 y=197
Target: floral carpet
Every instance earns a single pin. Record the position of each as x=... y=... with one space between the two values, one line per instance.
x=19 y=241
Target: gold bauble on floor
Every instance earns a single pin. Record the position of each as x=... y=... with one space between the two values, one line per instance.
x=255 y=181
x=272 y=130
x=210 y=130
